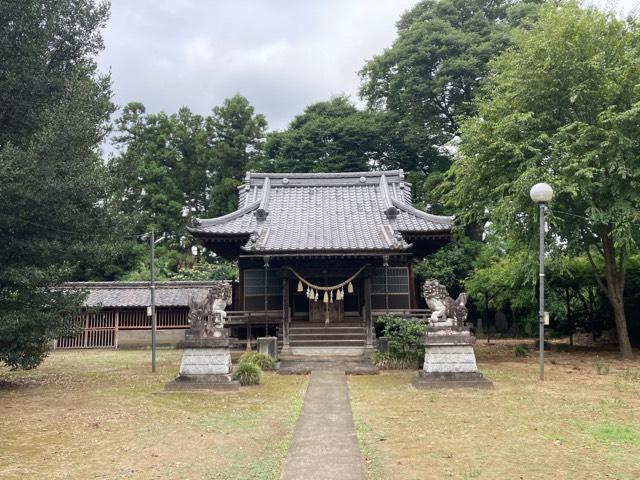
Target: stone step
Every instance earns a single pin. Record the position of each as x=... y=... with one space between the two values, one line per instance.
x=324 y=325
x=326 y=343
x=328 y=351
x=327 y=336
x=336 y=330
x=323 y=334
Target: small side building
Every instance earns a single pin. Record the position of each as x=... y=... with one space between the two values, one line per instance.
x=117 y=313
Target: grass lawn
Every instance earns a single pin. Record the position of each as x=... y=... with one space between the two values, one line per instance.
x=103 y=415
x=577 y=424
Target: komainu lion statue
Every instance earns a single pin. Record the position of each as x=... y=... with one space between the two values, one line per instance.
x=206 y=317
x=445 y=310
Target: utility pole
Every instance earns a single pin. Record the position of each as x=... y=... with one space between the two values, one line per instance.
x=152 y=287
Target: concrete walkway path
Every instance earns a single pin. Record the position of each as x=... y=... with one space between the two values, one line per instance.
x=324 y=444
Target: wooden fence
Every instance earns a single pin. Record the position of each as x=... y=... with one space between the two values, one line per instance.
x=100 y=329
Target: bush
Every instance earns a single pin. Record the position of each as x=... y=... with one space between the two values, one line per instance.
x=602 y=368
x=265 y=362
x=248 y=374
x=403 y=334
x=521 y=350
x=397 y=361
x=563 y=347
x=547 y=345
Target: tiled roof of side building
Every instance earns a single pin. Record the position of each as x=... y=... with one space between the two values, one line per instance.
x=324 y=212
x=136 y=294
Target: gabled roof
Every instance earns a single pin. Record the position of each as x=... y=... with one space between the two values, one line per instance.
x=361 y=211
x=136 y=294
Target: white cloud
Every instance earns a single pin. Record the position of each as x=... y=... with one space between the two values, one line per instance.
x=281 y=54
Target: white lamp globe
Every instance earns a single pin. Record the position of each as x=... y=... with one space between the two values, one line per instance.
x=541 y=193
x=194 y=250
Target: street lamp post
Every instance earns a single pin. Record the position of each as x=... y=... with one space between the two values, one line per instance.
x=541 y=193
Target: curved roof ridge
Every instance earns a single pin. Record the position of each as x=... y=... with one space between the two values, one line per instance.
x=443 y=219
x=225 y=218
x=325 y=175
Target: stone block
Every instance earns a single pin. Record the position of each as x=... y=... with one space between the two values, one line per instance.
x=449 y=361
x=437 y=380
x=206 y=361
x=204 y=369
x=268 y=346
x=383 y=345
x=444 y=358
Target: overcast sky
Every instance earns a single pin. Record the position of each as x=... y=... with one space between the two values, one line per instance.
x=280 y=54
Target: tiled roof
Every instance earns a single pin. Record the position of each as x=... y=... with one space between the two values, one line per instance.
x=136 y=294
x=324 y=212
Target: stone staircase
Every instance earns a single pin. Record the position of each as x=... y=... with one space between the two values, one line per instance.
x=344 y=338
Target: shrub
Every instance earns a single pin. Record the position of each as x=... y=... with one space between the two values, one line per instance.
x=248 y=374
x=397 y=361
x=403 y=334
x=547 y=345
x=602 y=368
x=521 y=350
x=265 y=362
x=563 y=347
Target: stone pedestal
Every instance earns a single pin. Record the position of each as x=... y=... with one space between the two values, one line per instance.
x=205 y=365
x=449 y=360
x=268 y=346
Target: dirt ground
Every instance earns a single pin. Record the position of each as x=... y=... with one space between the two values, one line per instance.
x=103 y=415
x=582 y=422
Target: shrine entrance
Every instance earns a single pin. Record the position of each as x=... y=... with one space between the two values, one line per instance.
x=320 y=312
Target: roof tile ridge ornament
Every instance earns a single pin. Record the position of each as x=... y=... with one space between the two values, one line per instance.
x=262 y=211
x=252 y=243
x=442 y=219
x=196 y=223
x=389 y=209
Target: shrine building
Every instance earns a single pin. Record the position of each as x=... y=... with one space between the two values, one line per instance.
x=322 y=255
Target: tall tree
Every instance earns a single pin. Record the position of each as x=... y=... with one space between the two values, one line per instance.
x=429 y=77
x=237 y=134
x=334 y=136
x=55 y=216
x=172 y=168
x=563 y=106
x=163 y=170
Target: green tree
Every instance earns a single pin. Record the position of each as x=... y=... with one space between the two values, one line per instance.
x=571 y=278
x=163 y=167
x=172 y=168
x=429 y=77
x=56 y=220
x=563 y=106
x=332 y=136
x=504 y=278
x=237 y=135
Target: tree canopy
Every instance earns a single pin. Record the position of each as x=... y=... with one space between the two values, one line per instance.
x=173 y=167
x=430 y=75
x=329 y=136
x=563 y=107
x=56 y=219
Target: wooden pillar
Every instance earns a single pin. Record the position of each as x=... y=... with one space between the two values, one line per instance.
x=286 y=313
x=413 y=300
x=368 y=319
x=116 y=328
